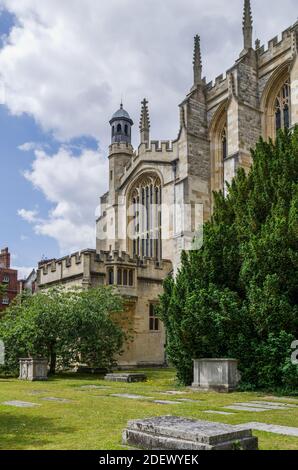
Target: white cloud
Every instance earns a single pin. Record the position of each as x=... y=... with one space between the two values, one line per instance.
x=72 y=184
x=29 y=216
x=68 y=62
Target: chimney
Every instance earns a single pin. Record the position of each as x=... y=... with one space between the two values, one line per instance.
x=5 y=258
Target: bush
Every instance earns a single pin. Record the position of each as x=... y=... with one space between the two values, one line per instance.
x=237 y=296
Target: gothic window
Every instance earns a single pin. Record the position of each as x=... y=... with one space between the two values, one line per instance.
x=282 y=107
x=119 y=129
x=153 y=319
x=111 y=276
x=146 y=202
x=126 y=129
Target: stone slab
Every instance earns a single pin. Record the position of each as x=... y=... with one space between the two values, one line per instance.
x=265 y=406
x=176 y=433
x=58 y=400
x=94 y=387
x=224 y=413
x=167 y=402
x=20 y=404
x=127 y=378
x=188 y=400
x=273 y=428
x=131 y=397
x=172 y=392
x=245 y=408
x=276 y=403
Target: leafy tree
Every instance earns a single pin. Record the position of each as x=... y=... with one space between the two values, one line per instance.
x=64 y=326
x=237 y=296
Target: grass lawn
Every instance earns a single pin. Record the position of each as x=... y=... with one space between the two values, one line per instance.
x=94 y=420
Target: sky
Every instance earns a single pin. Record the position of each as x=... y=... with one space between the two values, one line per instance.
x=64 y=68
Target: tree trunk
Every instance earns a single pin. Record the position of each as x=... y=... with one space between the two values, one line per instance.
x=53 y=360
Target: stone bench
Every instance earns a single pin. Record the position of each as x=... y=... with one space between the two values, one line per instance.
x=175 y=433
x=127 y=378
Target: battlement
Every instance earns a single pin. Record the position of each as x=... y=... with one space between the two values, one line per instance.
x=276 y=46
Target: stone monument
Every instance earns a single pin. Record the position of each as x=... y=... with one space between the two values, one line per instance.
x=220 y=375
x=176 y=433
x=33 y=369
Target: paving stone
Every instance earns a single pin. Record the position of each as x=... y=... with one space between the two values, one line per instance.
x=127 y=378
x=131 y=397
x=258 y=405
x=167 y=402
x=58 y=400
x=20 y=404
x=245 y=408
x=273 y=428
x=218 y=412
x=176 y=433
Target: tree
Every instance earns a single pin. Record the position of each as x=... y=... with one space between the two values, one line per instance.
x=64 y=326
x=237 y=296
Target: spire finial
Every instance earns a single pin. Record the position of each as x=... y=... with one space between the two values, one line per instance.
x=145 y=122
x=247 y=25
x=197 y=61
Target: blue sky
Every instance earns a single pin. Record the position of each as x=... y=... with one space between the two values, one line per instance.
x=64 y=77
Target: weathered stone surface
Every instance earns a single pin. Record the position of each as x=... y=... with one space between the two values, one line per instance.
x=128 y=378
x=175 y=433
x=273 y=428
x=245 y=408
x=131 y=397
x=263 y=405
x=167 y=402
x=276 y=403
x=173 y=392
x=33 y=369
x=58 y=400
x=93 y=387
x=220 y=375
x=20 y=404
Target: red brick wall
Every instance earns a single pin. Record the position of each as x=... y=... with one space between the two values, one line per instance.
x=12 y=285
x=5 y=258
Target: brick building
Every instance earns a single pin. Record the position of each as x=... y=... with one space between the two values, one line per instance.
x=8 y=279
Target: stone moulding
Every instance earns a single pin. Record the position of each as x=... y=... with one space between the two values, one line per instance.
x=220 y=375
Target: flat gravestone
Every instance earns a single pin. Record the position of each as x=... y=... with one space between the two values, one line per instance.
x=172 y=392
x=273 y=428
x=213 y=412
x=246 y=408
x=127 y=378
x=276 y=403
x=175 y=433
x=188 y=400
x=93 y=387
x=167 y=402
x=263 y=405
x=20 y=404
x=58 y=400
x=130 y=397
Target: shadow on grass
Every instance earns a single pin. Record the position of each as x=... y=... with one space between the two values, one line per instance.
x=20 y=432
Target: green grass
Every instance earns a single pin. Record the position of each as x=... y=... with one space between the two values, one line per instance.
x=95 y=420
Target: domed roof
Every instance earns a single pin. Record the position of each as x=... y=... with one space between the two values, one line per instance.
x=121 y=114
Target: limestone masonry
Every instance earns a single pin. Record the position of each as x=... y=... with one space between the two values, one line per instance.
x=160 y=193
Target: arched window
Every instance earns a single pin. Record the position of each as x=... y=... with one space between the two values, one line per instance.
x=282 y=107
x=126 y=129
x=119 y=128
x=146 y=202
